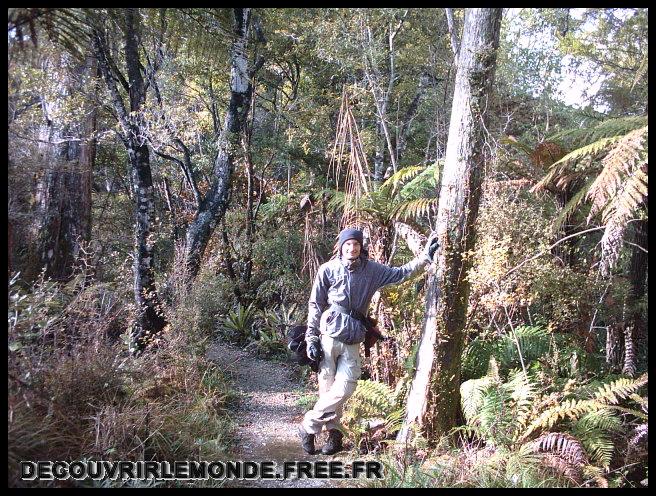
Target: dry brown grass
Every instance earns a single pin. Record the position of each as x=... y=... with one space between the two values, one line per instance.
x=75 y=393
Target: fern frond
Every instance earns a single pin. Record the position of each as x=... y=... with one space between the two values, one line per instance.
x=370 y=399
x=611 y=244
x=471 y=396
x=606 y=396
x=475 y=359
x=600 y=447
x=594 y=430
x=533 y=343
x=621 y=161
x=639 y=433
x=523 y=393
x=591 y=150
x=494 y=416
x=620 y=389
x=394 y=420
x=630 y=198
x=567 y=409
x=603 y=419
x=415 y=209
x=401 y=176
x=572 y=138
x=563 y=445
x=337 y=202
x=425 y=181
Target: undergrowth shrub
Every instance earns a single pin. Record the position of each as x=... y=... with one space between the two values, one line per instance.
x=75 y=394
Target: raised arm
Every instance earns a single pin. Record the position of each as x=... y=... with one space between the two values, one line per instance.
x=395 y=275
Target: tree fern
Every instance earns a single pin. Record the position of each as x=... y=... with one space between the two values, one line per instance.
x=575 y=163
x=425 y=182
x=624 y=160
x=571 y=138
x=612 y=159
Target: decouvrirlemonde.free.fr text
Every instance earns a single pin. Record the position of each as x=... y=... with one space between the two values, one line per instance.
x=194 y=470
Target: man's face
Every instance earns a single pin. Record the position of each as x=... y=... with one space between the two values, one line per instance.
x=351 y=249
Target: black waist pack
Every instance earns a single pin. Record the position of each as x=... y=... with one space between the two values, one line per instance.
x=298 y=346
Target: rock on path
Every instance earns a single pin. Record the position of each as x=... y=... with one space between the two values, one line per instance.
x=267 y=415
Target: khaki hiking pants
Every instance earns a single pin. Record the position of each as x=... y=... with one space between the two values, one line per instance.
x=339 y=372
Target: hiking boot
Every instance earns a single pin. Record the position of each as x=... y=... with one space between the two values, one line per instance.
x=307 y=440
x=334 y=443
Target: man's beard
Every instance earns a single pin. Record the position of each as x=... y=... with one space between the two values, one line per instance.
x=352 y=263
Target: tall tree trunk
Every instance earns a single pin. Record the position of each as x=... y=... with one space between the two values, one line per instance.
x=434 y=398
x=149 y=319
x=215 y=203
x=64 y=193
x=150 y=316
x=635 y=332
x=379 y=153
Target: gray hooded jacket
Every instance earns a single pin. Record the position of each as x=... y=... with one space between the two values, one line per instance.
x=351 y=286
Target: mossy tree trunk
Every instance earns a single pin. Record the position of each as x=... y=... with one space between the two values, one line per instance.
x=63 y=194
x=434 y=399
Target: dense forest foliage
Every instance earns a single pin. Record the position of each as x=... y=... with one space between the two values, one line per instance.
x=177 y=176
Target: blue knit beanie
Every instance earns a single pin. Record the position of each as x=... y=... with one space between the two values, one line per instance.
x=347 y=234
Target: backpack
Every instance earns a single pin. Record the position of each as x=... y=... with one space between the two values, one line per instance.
x=298 y=346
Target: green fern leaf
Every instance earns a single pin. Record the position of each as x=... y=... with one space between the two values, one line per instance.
x=401 y=176
x=414 y=209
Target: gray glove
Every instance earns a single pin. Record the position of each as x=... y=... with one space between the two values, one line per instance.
x=431 y=246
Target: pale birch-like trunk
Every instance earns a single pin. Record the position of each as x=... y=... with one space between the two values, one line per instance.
x=434 y=398
x=215 y=203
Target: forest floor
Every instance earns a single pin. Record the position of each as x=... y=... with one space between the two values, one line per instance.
x=268 y=415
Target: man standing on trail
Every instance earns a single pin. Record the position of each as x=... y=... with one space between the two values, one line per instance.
x=342 y=290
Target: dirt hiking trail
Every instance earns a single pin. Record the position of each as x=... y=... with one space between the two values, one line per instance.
x=268 y=416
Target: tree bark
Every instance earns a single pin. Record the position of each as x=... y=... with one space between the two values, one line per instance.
x=149 y=319
x=434 y=399
x=64 y=194
x=453 y=34
x=635 y=332
x=150 y=316
x=215 y=203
